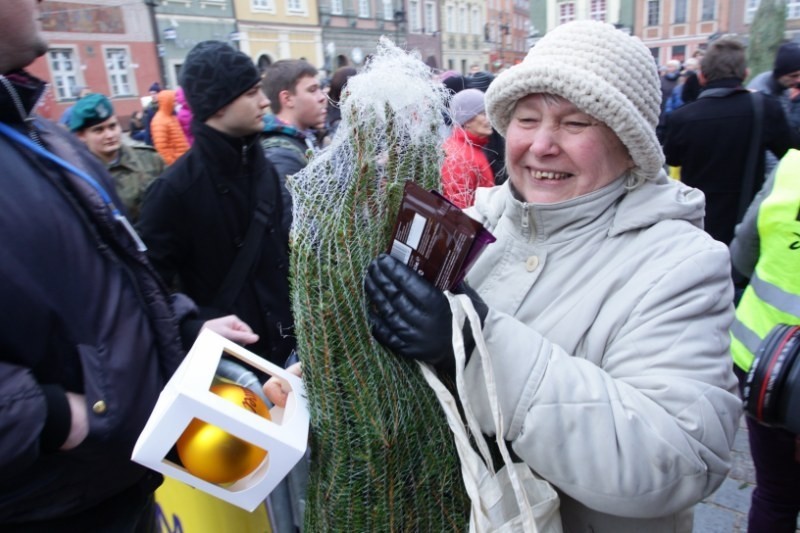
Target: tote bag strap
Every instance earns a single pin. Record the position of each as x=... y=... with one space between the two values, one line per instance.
x=473 y=468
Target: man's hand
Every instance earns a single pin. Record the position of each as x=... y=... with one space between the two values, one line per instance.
x=233 y=329
x=79 y=427
x=277 y=389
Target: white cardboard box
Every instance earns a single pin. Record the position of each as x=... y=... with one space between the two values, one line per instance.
x=187 y=396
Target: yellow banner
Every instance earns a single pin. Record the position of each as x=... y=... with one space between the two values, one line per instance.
x=183 y=509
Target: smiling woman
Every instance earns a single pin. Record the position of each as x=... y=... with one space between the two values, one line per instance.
x=605 y=307
x=555 y=152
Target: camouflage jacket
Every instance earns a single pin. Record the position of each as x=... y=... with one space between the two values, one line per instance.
x=137 y=166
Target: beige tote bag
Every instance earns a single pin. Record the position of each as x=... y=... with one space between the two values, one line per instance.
x=512 y=499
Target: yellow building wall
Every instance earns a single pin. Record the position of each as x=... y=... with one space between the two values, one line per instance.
x=283 y=43
x=279 y=13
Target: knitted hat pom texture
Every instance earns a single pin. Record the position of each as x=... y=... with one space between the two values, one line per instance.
x=604 y=72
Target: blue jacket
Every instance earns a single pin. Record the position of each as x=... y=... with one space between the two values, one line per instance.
x=81 y=310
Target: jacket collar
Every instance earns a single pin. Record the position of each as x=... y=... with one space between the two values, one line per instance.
x=621 y=210
x=775 y=87
x=562 y=221
x=126 y=159
x=463 y=135
x=223 y=152
x=273 y=125
x=19 y=94
x=726 y=83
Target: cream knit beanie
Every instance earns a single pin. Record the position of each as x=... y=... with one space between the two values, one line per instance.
x=602 y=71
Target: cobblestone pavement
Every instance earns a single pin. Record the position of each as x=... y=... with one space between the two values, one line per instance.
x=725 y=511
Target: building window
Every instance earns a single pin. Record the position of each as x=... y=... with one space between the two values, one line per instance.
x=793 y=9
x=295 y=6
x=388 y=10
x=463 y=23
x=430 y=18
x=363 y=8
x=598 y=8
x=262 y=5
x=413 y=16
x=653 y=12
x=119 y=74
x=476 y=21
x=679 y=52
x=750 y=10
x=337 y=7
x=451 y=19
x=680 y=12
x=709 y=10
x=64 y=71
x=566 y=12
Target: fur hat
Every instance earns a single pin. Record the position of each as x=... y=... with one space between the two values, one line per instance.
x=466 y=105
x=89 y=111
x=602 y=71
x=214 y=75
x=787 y=60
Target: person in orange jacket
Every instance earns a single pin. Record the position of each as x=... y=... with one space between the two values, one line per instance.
x=168 y=137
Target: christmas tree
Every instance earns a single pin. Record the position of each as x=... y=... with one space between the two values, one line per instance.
x=383 y=457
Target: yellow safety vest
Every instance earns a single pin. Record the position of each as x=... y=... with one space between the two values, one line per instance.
x=773 y=296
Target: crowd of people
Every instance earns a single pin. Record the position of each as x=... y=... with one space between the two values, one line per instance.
x=606 y=303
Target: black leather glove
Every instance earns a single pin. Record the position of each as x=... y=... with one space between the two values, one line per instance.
x=409 y=315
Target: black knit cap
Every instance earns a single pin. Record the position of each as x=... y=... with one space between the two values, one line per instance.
x=480 y=80
x=455 y=84
x=787 y=60
x=214 y=75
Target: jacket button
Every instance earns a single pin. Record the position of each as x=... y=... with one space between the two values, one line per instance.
x=531 y=263
x=99 y=407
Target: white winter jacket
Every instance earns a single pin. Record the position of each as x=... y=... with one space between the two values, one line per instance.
x=608 y=330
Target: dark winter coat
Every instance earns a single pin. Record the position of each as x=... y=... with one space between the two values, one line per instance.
x=288 y=149
x=495 y=152
x=709 y=140
x=668 y=83
x=82 y=311
x=194 y=221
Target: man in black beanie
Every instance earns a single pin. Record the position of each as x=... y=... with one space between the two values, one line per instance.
x=780 y=82
x=479 y=80
x=212 y=220
x=784 y=76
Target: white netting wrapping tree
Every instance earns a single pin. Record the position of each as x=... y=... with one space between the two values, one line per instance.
x=383 y=457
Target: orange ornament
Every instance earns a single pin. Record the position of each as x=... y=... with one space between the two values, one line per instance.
x=215 y=455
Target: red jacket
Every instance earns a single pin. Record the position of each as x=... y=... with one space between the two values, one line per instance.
x=465 y=167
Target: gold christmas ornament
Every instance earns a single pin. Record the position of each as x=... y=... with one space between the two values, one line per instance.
x=215 y=455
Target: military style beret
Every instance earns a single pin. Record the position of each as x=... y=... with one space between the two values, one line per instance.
x=90 y=110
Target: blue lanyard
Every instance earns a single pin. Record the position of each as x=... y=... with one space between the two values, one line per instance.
x=14 y=135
